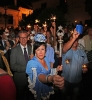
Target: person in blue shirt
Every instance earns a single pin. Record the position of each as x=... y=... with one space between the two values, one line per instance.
x=40 y=74
x=74 y=61
x=50 y=55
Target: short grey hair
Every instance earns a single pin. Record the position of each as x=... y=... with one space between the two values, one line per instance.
x=22 y=32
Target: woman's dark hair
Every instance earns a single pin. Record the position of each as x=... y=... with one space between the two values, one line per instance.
x=37 y=45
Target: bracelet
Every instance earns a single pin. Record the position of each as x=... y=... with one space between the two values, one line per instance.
x=47 y=78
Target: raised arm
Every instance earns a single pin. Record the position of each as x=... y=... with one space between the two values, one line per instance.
x=68 y=45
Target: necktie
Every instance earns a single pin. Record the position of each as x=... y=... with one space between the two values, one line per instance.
x=25 y=55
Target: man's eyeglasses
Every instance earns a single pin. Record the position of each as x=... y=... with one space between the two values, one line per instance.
x=23 y=37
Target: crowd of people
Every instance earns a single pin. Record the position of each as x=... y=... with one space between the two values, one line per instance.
x=30 y=62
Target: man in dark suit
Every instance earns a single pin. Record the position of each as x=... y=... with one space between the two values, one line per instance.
x=5 y=44
x=18 y=65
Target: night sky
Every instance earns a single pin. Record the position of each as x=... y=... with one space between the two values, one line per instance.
x=24 y=3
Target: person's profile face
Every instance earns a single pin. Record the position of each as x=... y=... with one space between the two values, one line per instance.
x=40 y=52
x=48 y=34
x=4 y=36
x=65 y=30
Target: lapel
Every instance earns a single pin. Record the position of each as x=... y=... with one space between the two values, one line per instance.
x=1 y=45
x=20 y=52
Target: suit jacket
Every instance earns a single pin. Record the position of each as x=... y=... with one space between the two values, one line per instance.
x=18 y=65
x=1 y=44
x=7 y=54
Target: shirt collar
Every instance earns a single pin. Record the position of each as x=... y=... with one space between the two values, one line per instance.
x=23 y=46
